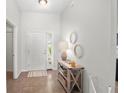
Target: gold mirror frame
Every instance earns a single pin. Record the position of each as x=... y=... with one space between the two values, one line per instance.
x=76 y=52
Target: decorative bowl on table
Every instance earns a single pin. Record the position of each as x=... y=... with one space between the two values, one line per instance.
x=72 y=64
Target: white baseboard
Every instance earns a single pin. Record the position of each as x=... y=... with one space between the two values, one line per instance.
x=18 y=74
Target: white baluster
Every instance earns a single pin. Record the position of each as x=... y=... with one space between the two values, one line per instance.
x=109 y=89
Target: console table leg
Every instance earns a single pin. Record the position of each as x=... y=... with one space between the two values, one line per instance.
x=81 y=81
x=68 y=81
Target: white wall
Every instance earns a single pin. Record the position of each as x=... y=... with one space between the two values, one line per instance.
x=13 y=15
x=39 y=22
x=92 y=20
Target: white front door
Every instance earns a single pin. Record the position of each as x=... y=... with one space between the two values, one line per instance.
x=37 y=50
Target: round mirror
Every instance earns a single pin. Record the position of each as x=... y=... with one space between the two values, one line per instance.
x=73 y=37
x=78 y=51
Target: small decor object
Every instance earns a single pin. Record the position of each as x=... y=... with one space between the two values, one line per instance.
x=70 y=54
x=73 y=37
x=78 y=51
x=73 y=63
x=64 y=56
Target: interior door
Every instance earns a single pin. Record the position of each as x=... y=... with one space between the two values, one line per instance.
x=9 y=48
x=37 y=51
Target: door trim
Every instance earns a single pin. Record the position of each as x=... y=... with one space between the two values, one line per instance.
x=15 y=69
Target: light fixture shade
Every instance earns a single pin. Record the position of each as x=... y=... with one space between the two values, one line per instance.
x=43 y=3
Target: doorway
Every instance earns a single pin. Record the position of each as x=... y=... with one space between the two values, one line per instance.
x=9 y=50
x=36 y=51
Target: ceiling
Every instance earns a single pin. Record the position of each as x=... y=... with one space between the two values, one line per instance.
x=54 y=6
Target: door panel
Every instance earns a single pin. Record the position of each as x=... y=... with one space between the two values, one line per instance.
x=37 y=51
x=9 y=51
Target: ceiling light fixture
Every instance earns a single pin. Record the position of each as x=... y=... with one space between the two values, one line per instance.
x=44 y=3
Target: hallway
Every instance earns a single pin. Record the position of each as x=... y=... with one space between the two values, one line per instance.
x=74 y=31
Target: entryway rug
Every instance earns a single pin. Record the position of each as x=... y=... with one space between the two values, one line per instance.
x=37 y=73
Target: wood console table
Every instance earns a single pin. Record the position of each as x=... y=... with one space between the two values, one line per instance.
x=70 y=77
